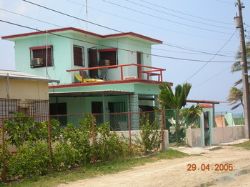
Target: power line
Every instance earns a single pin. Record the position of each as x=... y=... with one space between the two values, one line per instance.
x=151 y=26
x=174 y=15
x=203 y=66
x=194 y=50
x=186 y=14
x=71 y=16
x=170 y=45
x=164 y=19
x=32 y=18
x=124 y=49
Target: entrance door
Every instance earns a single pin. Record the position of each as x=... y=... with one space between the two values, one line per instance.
x=206 y=128
x=139 y=61
x=97 y=110
x=59 y=110
x=93 y=62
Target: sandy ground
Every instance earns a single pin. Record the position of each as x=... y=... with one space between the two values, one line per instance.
x=174 y=172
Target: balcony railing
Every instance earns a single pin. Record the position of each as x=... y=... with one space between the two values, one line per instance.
x=119 y=73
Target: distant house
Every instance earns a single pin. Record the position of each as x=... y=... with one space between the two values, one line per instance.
x=22 y=92
x=99 y=74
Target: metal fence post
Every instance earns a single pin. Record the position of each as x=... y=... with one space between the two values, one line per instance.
x=3 y=174
x=129 y=130
x=162 y=130
x=49 y=142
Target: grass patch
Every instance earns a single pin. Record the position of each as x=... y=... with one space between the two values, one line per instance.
x=56 y=178
x=245 y=145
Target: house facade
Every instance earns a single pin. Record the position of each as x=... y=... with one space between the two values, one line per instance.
x=22 y=92
x=99 y=74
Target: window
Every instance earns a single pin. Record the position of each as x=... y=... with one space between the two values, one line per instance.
x=108 y=54
x=39 y=54
x=78 y=55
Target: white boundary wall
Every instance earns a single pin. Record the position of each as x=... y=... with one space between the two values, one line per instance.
x=135 y=135
x=218 y=135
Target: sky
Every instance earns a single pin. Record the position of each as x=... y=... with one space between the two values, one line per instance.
x=201 y=31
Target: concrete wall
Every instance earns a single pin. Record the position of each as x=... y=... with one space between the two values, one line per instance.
x=194 y=137
x=219 y=135
x=24 y=89
x=135 y=136
x=227 y=134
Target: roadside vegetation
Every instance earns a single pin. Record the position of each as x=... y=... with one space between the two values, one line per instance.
x=92 y=170
x=46 y=156
x=245 y=145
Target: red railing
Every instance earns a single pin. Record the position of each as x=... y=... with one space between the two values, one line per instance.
x=149 y=71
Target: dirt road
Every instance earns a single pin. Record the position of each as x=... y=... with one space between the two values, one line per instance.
x=174 y=172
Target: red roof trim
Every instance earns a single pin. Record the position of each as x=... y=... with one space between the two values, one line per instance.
x=83 y=32
x=105 y=82
x=40 y=47
x=133 y=34
x=108 y=50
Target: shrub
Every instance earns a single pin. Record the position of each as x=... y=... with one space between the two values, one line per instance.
x=150 y=135
x=31 y=159
x=79 y=139
x=65 y=156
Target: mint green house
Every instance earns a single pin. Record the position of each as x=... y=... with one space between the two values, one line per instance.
x=99 y=74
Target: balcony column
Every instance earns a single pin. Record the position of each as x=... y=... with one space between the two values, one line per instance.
x=134 y=109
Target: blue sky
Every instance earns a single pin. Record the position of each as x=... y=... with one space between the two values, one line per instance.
x=196 y=25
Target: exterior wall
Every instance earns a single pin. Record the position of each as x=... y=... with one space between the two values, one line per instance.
x=77 y=106
x=228 y=134
x=61 y=57
x=219 y=135
x=24 y=89
x=135 y=135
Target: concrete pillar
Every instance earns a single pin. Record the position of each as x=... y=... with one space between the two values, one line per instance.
x=134 y=109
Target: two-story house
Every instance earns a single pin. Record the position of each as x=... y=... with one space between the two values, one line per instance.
x=100 y=74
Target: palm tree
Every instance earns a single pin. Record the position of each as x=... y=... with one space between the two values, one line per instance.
x=235 y=97
x=237 y=65
x=176 y=101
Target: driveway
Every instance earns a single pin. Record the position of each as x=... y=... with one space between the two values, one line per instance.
x=175 y=172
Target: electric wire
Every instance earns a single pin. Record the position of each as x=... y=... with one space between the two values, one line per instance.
x=203 y=66
x=101 y=45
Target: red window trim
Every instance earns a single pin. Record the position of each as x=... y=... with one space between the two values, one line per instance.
x=40 y=47
x=108 y=50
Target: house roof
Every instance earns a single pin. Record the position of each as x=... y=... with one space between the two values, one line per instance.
x=73 y=29
x=23 y=76
x=203 y=101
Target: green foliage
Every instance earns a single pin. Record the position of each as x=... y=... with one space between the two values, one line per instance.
x=177 y=100
x=235 y=97
x=31 y=159
x=150 y=135
x=22 y=128
x=109 y=146
x=65 y=156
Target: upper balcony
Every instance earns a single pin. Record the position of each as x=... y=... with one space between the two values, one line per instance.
x=111 y=74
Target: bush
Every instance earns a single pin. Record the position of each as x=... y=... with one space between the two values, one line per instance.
x=65 y=156
x=79 y=139
x=150 y=135
x=31 y=159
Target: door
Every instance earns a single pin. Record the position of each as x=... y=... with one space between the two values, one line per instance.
x=139 y=62
x=59 y=110
x=117 y=121
x=93 y=62
x=206 y=128
x=97 y=111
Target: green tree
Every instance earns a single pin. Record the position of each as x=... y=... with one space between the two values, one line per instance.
x=235 y=97
x=236 y=67
x=176 y=101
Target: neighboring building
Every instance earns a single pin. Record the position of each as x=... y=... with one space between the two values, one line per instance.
x=22 y=92
x=101 y=74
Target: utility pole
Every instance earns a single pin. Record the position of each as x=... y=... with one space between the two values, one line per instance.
x=240 y=25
